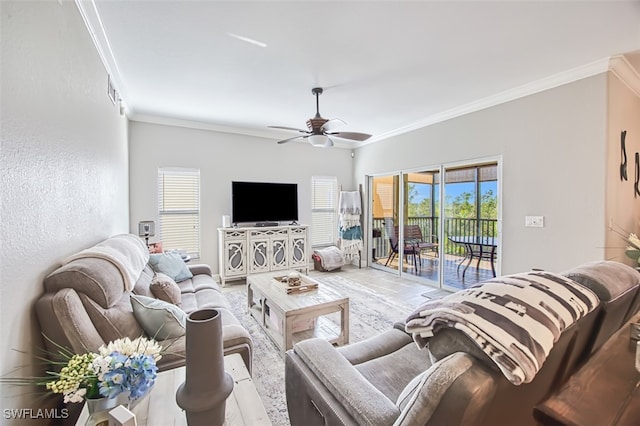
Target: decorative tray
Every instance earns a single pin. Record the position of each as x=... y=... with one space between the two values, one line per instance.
x=299 y=284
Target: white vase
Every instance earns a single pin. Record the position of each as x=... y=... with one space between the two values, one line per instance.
x=99 y=408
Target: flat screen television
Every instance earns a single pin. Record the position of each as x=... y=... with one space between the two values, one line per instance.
x=264 y=202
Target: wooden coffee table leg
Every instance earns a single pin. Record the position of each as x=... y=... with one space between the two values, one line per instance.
x=287 y=337
x=344 y=322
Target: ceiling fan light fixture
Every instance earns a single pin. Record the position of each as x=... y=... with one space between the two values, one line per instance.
x=318 y=133
x=320 y=141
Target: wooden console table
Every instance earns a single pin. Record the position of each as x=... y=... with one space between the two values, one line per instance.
x=159 y=408
x=604 y=391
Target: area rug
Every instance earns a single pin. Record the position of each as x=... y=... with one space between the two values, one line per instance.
x=369 y=314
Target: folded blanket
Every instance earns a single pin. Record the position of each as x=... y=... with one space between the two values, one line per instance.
x=348 y=220
x=330 y=258
x=351 y=242
x=127 y=252
x=514 y=319
x=350 y=202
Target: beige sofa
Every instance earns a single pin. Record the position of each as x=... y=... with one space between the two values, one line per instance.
x=87 y=301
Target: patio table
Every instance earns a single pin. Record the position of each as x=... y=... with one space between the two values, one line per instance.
x=477 y=247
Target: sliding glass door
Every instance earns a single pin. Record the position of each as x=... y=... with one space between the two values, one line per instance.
x=471 y=222
x=421 y=225
x=438 y=225
x=404 y=221
x=385 y=215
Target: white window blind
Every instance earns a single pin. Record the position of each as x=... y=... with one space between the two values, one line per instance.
x=179 y=209
x=323 y=210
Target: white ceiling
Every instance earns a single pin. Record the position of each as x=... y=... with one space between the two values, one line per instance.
x=386 y=66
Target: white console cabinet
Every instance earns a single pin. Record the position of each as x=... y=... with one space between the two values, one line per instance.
x=254 y=250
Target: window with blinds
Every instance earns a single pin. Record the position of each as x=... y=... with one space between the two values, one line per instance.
x=324 y=206
x=179 y=209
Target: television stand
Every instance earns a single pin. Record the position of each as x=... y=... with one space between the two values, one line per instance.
x=254 y=250
x=264 y=224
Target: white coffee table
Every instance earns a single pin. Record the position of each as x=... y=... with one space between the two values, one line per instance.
x=287 y=316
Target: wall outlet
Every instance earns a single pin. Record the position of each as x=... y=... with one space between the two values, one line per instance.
x=534 y=221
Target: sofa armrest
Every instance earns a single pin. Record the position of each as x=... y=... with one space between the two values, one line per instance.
x=376 y=346
x=200 y=269
x=64 y=320
x=361 y=399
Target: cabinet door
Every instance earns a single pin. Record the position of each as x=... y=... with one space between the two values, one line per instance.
x=234 y=256
x=298 y=251
x=259 y=255
x=298 y=257
x=279 y=252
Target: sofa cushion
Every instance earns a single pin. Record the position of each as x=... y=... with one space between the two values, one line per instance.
x=391 y=372
x=142 y=285
x=170 y=263
x=97 y=278
x=159 y=319
x=165 y=288
x=114 y=322
x=607 y=279
x=201 y=292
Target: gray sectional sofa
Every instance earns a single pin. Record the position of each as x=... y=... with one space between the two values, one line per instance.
x=87 y=301
x=389 y=380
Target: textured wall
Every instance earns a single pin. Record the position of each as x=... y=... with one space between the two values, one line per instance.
x=222 y=158
x=64 y=169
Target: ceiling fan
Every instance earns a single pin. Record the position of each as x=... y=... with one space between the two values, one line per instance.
x=319 y=128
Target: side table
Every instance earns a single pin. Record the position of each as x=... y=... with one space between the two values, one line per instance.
x=244 y=406
x=604 y=391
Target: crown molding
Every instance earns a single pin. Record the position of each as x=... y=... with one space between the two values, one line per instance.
x=621 y=68
x=92 y=21
x=528 y=89
x=272 y=135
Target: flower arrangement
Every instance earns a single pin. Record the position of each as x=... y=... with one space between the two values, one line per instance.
x=123 y=365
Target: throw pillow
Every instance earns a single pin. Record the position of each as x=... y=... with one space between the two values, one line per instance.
x=170 y=263
x=165 y=288
x=159 y=319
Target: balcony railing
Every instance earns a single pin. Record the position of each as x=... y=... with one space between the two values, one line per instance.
x=429 y=227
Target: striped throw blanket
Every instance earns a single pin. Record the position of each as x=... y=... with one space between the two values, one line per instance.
x=514 y=319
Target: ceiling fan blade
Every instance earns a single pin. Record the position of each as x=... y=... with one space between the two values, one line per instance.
x=292 y=139
x=350 y=135
x=332 y=124
x=288 y=128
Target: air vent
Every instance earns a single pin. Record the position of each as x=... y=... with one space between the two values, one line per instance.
x=111 y=91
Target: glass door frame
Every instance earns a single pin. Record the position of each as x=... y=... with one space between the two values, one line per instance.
x=442 y=168
x=400 y=176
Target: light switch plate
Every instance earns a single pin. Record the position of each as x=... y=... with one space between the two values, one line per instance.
x=534 y=221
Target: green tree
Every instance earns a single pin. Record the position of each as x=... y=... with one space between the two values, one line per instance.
x=463 y=206
x=417 y=209
x=489 y=205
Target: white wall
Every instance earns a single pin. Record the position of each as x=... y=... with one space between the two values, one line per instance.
x=222 y=158
x=64 y=164
x=552 y=146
